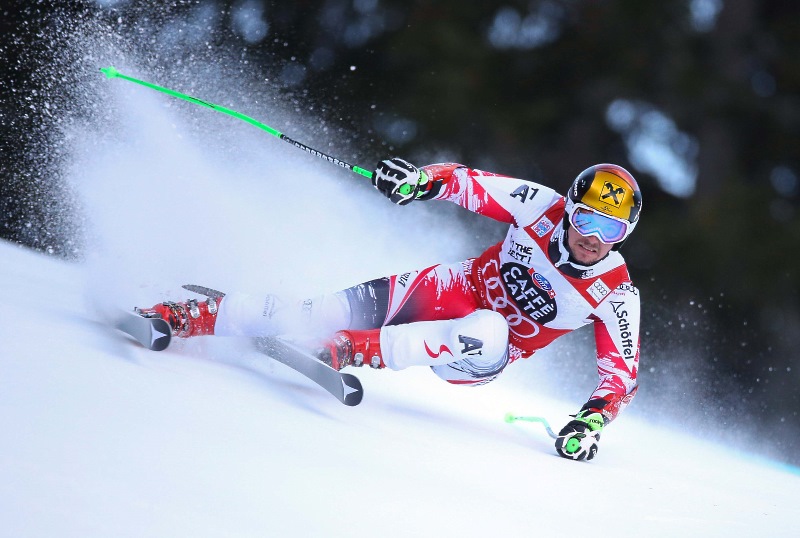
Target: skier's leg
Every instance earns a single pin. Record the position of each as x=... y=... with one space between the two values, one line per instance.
x=267 y=315
x=434 y=307
x=240 y=314
x=438 y=292
x=470 y=350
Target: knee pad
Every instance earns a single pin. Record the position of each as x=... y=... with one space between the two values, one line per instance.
x=482 y=340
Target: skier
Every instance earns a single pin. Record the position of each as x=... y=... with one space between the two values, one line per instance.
x=557 y=269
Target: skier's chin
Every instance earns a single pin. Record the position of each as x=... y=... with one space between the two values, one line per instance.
x=586 y=254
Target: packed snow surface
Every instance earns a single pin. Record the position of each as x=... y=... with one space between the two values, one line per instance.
x=210 y=438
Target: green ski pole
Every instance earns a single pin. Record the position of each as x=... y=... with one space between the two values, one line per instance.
x=111 y=72
x=510 y=417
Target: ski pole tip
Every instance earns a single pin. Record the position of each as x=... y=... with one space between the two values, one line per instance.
x=509 y=417
x=110 y=71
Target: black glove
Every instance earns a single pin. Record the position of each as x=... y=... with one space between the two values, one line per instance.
x=579 y=438
x=398 y=180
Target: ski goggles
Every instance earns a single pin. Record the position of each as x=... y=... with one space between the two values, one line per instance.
x=607 y=229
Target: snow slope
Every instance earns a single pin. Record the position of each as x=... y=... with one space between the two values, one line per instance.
x=209 y=438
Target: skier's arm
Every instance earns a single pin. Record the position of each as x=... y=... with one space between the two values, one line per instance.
x=496 y=196
x=499 y=197
x=616 y=330
x=616 y=327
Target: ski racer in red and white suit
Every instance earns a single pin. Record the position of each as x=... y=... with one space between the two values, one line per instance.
x=534 y=277
x=469 y=320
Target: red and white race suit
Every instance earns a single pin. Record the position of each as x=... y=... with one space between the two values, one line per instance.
x=469 y=320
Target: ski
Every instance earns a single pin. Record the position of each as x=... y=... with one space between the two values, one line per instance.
x=345 y=387
x=152 y=333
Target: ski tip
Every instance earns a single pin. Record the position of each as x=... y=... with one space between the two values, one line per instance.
x=161 y=335
x=353 y=391
x=110 y=71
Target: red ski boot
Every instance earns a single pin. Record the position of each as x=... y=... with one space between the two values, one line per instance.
x=353 y=348
x=191 y=318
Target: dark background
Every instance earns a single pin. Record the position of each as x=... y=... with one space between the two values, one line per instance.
x=698 y=98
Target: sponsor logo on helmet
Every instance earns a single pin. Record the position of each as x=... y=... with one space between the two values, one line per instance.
x=612 y=194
